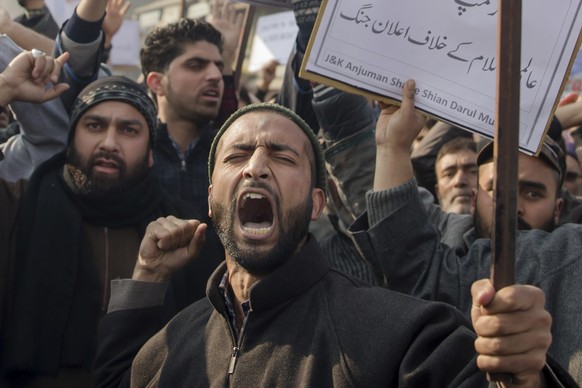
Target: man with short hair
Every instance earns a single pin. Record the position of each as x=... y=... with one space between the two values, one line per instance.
x=539 y=201
x=188 y=68
x=277 y=314
x=80 y=220
x=421 y=265
x=456 y=175
x=539 y=187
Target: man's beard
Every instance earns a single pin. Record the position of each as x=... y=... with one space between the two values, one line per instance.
x=549 y=226
x=292 y=231
x=484 y=231
x=198 y=115
x=86 y=183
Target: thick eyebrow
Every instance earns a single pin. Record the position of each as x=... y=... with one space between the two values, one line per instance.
x=277 y=147
x=204 y=61
x=103 y=119
x=533 y=185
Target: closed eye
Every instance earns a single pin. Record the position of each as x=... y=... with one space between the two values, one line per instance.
x=234 y=158
x=286 y=159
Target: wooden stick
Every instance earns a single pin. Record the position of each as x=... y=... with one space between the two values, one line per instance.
x=506 y=148
x=249 y=19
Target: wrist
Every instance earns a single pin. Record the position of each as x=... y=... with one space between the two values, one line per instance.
x=143 y=274
x=6 y=28
x=7 y=94
x=392 y=150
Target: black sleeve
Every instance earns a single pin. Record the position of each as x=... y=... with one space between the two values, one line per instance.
x=120 y=336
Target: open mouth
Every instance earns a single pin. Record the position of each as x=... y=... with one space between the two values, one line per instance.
x=255 y=214
x=211 y=93
x=106 y=164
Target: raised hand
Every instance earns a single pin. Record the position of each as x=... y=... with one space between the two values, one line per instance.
x=513 y=330
x=229 y=22
x=399 y=126
x=168 y=244
x=28 y=78
x=396 y=129
x=115 y=13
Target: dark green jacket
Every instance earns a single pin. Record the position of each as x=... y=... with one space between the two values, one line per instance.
x=308 y=325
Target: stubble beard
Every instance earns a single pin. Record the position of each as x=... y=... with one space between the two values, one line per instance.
x=252 y=259
x=484 y=231
x=200 y=115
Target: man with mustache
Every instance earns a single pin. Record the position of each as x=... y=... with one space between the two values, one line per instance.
x=456 y=175
x=80 y=220
x=277 y=314
x=539 y=185
x=188 y=68
x=539 y=200
x=397 y=236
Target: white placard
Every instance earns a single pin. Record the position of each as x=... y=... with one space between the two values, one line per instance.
x=274 y=39
x=61 y=9
x=449 y=48
x=272 y=3
x=12 y=8
x=126 y=44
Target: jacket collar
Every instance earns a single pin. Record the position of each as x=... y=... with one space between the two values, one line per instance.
x=287 y=282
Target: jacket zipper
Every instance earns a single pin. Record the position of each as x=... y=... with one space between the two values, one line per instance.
x=236 y=348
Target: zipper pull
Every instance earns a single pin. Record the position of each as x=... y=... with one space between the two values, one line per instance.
x=233 y=359
x=184 y=169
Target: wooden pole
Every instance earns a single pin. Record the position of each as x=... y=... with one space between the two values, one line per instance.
x=183 y=8
x=242 y=48
x=506 y=148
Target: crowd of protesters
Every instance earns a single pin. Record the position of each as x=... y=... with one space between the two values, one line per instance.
x=176 y=230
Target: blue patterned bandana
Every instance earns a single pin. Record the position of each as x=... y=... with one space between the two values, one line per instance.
x=115 y=88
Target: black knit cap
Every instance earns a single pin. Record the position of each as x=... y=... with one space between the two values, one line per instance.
x=551 y=153
x=321 y=181
x=115 y=88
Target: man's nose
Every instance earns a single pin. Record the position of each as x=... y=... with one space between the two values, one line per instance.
x=257 y=166
x=520 y=209
x=109 y=140
x=214 y=72
x=460 y=179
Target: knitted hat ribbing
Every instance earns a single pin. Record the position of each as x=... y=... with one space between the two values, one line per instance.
x=115 y=88
x=321 y=180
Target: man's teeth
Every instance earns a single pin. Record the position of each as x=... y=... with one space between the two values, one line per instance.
x=253 y=196
x=258 y=228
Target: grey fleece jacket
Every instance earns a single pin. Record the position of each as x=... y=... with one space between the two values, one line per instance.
x=44 y=128
x=395 y=235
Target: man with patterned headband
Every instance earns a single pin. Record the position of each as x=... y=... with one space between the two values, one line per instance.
x=277 y=315
x=81 y=218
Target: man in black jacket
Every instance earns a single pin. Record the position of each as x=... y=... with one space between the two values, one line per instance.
x=277 y=315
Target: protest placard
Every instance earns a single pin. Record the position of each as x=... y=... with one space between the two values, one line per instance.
x=272 y=3
x=449 y=47
x=274 y=39
x=125 y=45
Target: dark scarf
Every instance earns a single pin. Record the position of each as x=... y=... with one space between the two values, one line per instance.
x=53 y=309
